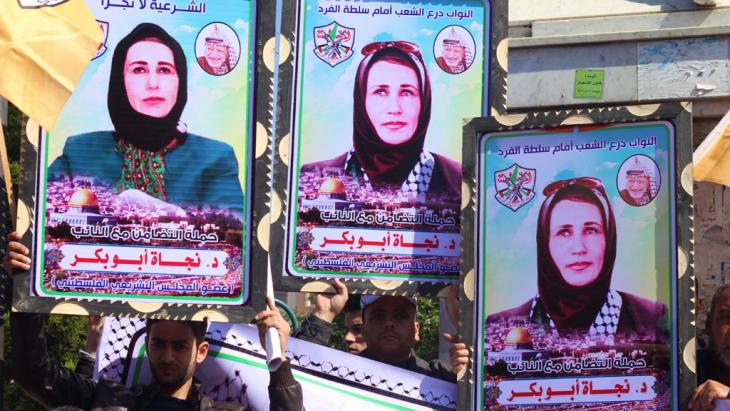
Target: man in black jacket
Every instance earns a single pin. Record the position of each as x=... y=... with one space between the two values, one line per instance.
x=714 y=361
x=174 y=349
x=317 y=327
x=389 y=331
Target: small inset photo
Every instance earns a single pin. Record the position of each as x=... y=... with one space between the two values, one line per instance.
x=217 y=49
x=453 y=49
x=638 y=180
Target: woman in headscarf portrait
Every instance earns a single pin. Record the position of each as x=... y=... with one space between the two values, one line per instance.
x=392 y=109
x=576 y=251
x=150 y=150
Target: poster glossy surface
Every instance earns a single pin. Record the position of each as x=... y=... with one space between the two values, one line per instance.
x=578 y=279
x=380 y=89
x=593 y=208
x=142 y=183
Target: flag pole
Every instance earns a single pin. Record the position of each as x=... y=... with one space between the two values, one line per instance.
x=6 y=176
x=11 y=204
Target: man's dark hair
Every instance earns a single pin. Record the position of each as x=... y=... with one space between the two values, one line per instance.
x=199 y=328
x=713 y=307
x=353 y=303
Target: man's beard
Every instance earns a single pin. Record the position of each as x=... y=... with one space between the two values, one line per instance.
x=721 y=355
x=173 y=382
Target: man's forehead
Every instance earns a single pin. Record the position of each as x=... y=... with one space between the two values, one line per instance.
x=391 y=304
x=724 y=309
x=722 y=304
x=724 y=301
x=170 y=331
x=353 y=316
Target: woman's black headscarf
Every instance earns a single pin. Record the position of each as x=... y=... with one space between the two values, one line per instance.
x=572 y=307
x=140 y=130
x=389 y=163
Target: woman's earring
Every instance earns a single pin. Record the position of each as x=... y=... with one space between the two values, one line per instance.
x=182 y=127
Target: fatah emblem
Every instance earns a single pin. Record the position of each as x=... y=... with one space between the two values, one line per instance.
x=104 y=26
x=515 y=186
x=34 y=4
x=333 y=43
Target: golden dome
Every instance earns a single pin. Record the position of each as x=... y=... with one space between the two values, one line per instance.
x=518 y=335
x=332 y=186
x=84 y=197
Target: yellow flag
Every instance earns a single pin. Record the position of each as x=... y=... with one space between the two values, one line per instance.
x=712 y=158
x=45 y=46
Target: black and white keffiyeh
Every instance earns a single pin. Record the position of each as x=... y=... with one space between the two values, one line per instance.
x=606 y=321
x=417 y=183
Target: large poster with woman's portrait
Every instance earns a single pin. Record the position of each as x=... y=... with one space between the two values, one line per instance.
x=374 y=180
x=576 y=265
x=142 y=185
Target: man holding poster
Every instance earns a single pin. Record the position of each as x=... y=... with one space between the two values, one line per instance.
x=713 y=362
x=175 y=349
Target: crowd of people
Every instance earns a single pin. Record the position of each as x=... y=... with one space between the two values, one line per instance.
x=382 y=328
x=387 y=170
x=174 y=349
x=385 y=329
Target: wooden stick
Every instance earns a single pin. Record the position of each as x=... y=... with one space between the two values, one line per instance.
x=11 y=203
x=6 y=176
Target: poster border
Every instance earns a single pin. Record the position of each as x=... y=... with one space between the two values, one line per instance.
x=260 y=123
x=683 y=329
x=495 y=102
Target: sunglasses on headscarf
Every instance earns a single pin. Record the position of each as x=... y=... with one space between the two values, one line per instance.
x=401 y=45
x=590 y=183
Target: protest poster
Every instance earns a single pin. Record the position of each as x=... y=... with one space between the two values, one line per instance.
x=369 y=170
x=144 y=192
x=235 y=371
x=581 y=229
